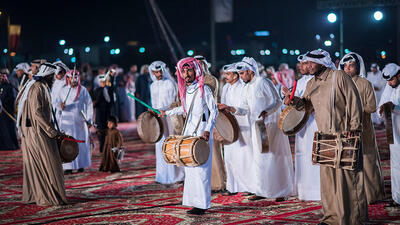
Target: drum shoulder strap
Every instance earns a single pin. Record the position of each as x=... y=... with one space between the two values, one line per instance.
x=332 y=100
x=190 y=111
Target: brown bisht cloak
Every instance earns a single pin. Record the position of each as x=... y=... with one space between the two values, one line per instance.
x=109 y=161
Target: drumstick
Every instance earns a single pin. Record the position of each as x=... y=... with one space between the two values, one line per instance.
x=293 y=90
x=141 y=102
x=74 y=140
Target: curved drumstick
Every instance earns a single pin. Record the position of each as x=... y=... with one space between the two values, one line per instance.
x=293 y=90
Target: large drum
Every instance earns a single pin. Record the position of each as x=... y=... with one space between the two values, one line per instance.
x=227 y=127
x=150 y=127
x=185 y=150
x=336 y=151
x=69 y=149
x=292 y=121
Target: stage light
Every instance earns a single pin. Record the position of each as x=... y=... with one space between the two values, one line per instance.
x=331 y=17
x=62 y=42
x=267 y=52
x=66 y=51
x=112 y=51
x=73 y=59
x=262 y=33
x=291 y=52
x=262 y=52
x=297 y=52
x=117 y=51
x=346 y=51
x=87 y=49
x=317 y=36
x=233 y=52
x=190 y=52
x=332 y=36
x=106 y=39
x=378 y=15
x=142 y=49
x=5 y=51
x=284 y=51
x=70 y=51
x=328 y=43
x=337 y=54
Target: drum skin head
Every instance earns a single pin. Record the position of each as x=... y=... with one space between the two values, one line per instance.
x=227 y=127
x=149 y=127
x=201 y=151
x=291 y=121
x=69 y=150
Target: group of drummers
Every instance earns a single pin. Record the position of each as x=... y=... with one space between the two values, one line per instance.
x=244 y=132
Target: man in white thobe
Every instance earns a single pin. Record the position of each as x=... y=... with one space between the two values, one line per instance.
x=273 y=170
x=391 y=96
x=239 y=154
x=376 y=79
x=163 y=93
x=307 y=178
x=200 y=122
x=76 y=108
x=59 y=83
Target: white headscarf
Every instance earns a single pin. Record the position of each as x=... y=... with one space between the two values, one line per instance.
x=321 y=57
x=248 y=63
x=229 y=68
x=60 y=65
x=353 y=57
x=157 y=66
x=45 y=69
x=302 y=58
x=374 y=65
x=207 y=66
x=23 y=66
x=390 y=71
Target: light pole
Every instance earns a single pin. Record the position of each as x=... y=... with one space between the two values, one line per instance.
x=332 y=18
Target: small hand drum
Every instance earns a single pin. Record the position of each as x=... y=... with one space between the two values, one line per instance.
x=150 y=127
x=291 y=120
x=69 y=150
x=227 y=127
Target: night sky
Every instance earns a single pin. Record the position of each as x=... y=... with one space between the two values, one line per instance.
x=293 y=25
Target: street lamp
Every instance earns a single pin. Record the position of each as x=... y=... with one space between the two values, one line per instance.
x=62 y=42
x=328 y=43
x=378 y=15
x=331 y=17
x=106 y=39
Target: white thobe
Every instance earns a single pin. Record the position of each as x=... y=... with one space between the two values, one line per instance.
x=273 y=171
x=378 y=82
x=55 y=90
x=393 y=95
x=73 y=124
x=197 y=186
x=307 y=179
x=163 y=94
x=239 y=154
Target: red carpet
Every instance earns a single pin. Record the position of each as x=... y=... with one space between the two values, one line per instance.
x=132 y=197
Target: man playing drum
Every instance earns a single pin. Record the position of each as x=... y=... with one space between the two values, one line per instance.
x=272 y=169
x=391 y=99
x=43 y=174
x=353 y=65
x=163 y=93
x=342 y=191
x=239 y=154
x=307 y=180
x=197 y=98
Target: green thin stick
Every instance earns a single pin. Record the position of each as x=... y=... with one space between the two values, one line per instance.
x=141 y=102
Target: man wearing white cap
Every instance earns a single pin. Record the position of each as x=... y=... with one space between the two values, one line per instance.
x=353 y=64
x=163 y=93
x=43 y=179
x=273 y=166
x=76 y=112
x=377 y=81
x=238 y=155
x=333 y=96
x=307 y=178
x=391 y=97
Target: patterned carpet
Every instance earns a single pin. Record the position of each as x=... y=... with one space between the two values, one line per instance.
x=132 y=197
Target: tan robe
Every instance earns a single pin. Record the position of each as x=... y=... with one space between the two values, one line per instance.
x=43 y=177
x=218 y=174
x=109 y=161
x=373 y=179
x=342 y=191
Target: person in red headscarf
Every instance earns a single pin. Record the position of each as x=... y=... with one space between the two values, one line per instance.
x=201 y=112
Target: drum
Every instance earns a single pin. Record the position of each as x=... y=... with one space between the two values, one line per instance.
x=69 y=150
x=387 y=112
x=150 y=127
x=185 y=150
x=227 y=127
x=292 y=121
x=177 y=120
x=336 y=151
